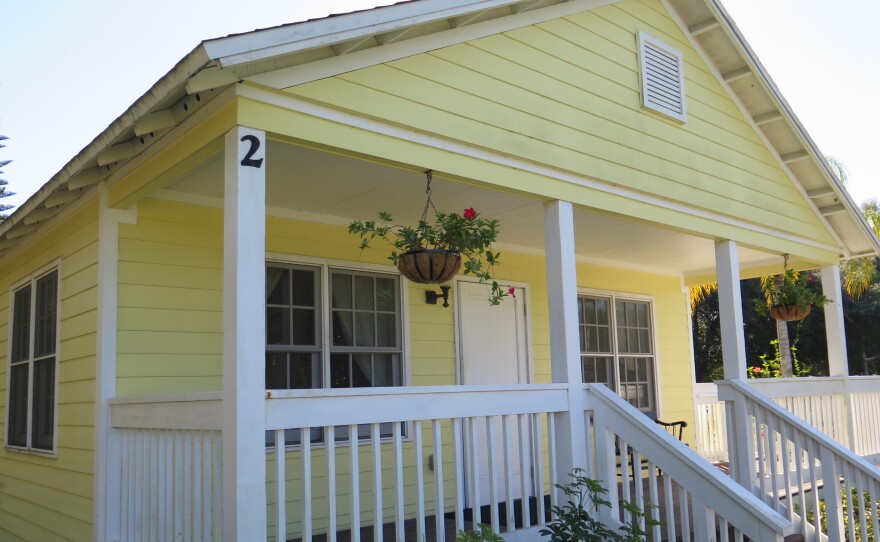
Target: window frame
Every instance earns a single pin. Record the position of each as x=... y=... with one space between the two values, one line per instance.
x=31 y=281
x=325 y=267
x=614 y=297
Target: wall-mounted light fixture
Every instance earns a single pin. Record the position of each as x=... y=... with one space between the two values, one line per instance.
x=431 y=296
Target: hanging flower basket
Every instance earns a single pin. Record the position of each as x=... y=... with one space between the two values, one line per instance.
x=429 y=266
x=790 y=313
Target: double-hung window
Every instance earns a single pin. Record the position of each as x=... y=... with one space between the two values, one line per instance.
x=332 y=328
x=32 y=364
x=617 y=347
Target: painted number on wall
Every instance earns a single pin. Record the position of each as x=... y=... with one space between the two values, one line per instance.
x=249 y=159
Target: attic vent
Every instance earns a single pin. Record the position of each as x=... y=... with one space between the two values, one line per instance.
x=662 y=77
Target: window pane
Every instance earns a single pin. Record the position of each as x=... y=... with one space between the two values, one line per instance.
x=644 y=342
x=339 y=375
x=44 y=404
x=365 y=329
x=304 y=327
x=386 y=330
x=277 y=325
x=277 y=286
x=590 y=311
x=622 y=344
x=276 y=371
x=604 y=339
x=21 y=327
x=363 y=293
x=342 y=328
x=18 y=407
x=305 y=371
x=362 y=371
x=341 y=291
x=383 y=370
x=602 y=312
x=385 y=298
x=642 y=311
x=303 y=288
x=592 y=339
x=44 y=328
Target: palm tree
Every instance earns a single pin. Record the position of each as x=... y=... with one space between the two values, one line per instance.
x=3 y=183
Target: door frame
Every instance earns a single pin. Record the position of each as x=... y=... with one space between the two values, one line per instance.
x=527 y=326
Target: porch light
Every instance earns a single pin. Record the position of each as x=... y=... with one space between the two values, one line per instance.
x=431 y=296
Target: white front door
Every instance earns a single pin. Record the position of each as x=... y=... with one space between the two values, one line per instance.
x=493 y=350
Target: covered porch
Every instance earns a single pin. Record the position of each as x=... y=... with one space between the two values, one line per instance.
x=437 y=443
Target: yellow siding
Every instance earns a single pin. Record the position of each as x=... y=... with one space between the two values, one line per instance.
x=43 y=498
x=565 y=93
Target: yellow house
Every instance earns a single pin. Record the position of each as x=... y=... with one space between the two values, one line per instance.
x=183 y=296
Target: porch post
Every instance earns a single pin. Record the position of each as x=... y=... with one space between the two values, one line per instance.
x=733 y=354
x=244 y=335
x=571 y=444
x=835 y=333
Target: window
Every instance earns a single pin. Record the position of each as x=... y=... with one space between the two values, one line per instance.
x=362 y=344
x=617 y=347
x=662 y=71
x=32 y=364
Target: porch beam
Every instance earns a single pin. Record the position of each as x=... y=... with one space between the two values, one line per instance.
x=733 y=342
x=244 y=278
x=835 y=332
x=564 y=342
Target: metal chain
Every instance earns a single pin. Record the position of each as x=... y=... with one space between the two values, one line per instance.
x=428 y=203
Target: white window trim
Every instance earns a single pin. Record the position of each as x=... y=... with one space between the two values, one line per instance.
x=627 y=296
x=644 y=39
x=324 y=265
x=31 y=279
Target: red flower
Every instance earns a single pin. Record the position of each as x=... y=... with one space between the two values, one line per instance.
x=812 y=278
x=511 y=291
x=470 y=214
x=756 y=370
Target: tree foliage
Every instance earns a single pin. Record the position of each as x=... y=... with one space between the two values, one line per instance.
x=3 y=182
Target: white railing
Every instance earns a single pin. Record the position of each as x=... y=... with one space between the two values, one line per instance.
x=695 y=501
x=792 y=467
x=843 y=408
x=168 y=455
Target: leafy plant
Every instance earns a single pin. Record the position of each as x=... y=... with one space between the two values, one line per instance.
x=771 y=367
x=577 y=520
x=467 y=234
x=484 y=534
x=791 y=288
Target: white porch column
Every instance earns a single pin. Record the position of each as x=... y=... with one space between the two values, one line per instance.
x=733 y=353
x=244 y=369
x=838 y=364
x=733 y=342
x=564 y=342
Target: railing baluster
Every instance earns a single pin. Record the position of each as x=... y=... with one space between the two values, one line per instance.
x=524 y=464
x=538 y=447
x=305 y=438
x=723 y=531
x=378 y=512
x=439 y=507
x=873 y=507
x=701 y=523
x=458 y=452
x=354 y=474
x=655 y=498
x=670 y=508
x=799 y=465
x=491 y=447
x=475 y=473
x=863 y=504
x=398 y=482
x=420 y=481
x=281 y=487
x=554 y=478
x=507 y=449
x=330 y=438
x=813 y=456
x=786 y=451
x=774 y=460
x=684 y=513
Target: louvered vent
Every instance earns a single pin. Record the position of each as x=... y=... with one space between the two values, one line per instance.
x=662 y=77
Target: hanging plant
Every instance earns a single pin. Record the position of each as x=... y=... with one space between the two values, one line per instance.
x=433 y=252
x=791 y=296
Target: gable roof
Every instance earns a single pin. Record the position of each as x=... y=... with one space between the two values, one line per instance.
x=295 y=53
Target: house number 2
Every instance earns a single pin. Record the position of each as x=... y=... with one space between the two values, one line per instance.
x=249 y=159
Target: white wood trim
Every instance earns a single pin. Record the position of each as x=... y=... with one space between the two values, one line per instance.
x=733 y=345
x=244 y=335
x=835 y=332
x=293 y=103
x=204 y=414
x=105 y=523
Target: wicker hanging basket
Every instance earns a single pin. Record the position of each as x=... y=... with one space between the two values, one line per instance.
x=429 y=266
x=790 y=313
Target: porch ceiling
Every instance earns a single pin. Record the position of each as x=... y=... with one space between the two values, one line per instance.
x=318 y=186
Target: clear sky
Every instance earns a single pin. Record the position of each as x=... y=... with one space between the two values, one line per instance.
x=70 y=68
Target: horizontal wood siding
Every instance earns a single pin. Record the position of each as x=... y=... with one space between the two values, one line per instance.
x=565 y=93
x=50 y=498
